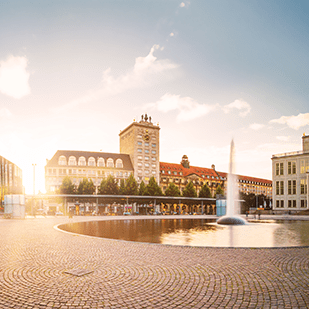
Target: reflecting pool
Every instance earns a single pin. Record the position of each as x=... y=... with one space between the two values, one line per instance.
x=197 y=232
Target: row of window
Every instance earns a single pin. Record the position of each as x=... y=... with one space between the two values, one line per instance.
x=147 y=165
x=292 y=187
x=140 y=150
x=91 y=162
x=146 y=144
x=64 y=171
x=146 y=158
x=147 y=172
x=291 y=204
x=291 y=167
x=183 y=181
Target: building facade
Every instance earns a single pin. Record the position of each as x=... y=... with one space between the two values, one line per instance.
x=140 y=155
x=141 y=140
x=181 y=174
x=10 y=177
x=290 y=178
x=85 y=164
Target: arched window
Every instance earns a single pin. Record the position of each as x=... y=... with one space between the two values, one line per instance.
x=82 y=161
x=72 y=160
x=119 y=163
x=91 y=161
x=101 y=162
x=62 y=160
x=110 y=162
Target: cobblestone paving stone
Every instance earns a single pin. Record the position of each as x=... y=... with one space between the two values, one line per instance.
x=34 y=258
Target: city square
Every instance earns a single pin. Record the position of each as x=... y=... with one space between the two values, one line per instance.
x=42 y=267
x=134 y=113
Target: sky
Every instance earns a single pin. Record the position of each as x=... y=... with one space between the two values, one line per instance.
x=75 y=73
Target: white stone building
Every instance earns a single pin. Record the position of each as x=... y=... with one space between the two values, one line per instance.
x=290 y=178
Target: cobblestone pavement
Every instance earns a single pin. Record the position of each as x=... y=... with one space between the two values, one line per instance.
x=35 y=259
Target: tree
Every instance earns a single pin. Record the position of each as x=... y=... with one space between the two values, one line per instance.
x=142 y=188
x=249 y=201
x=189 y=190
x=153 y=189
x=205 y=191
x=122 y=189
x=172 y=190
x=131 y=186
x=67 y=187
x=219 y=190
x=109 y=186
x=86 y=187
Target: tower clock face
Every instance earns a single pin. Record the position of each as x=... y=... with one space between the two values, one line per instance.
x=146 y=137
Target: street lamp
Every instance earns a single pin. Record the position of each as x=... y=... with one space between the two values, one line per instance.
x=33 y=164
x=32 y=204
x=307 y=184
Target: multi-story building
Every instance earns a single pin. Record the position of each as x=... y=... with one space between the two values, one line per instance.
x=290 y=178
x=10 y=177
x=181 y=174
x=140 y=155
x=85 y=164
x=248 y=184
x=141 y=141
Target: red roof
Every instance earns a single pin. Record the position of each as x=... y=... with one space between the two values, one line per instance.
x=188 y=171
x=173 y=167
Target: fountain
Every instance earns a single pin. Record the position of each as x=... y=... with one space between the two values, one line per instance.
x=231 y=217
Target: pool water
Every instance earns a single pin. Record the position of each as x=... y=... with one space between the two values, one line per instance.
x=197 y=232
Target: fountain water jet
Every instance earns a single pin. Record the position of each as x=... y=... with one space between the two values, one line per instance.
x=231 y=217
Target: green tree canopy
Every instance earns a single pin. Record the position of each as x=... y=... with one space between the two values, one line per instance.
x=142 y=188
x=67 y=187
x=131 y=186
x=189 y=190
x=109 y=186
x=86 y=187
x=122 y=189
x=219 y=190
x=172 y=190
x=205 y=191
x=153 y=189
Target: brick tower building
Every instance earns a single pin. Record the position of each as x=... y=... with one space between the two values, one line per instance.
x=141 y=141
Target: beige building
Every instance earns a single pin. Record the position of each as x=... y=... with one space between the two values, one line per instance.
x=85 y=164
x=140 y=155
x=290 y=178
x=141 y=141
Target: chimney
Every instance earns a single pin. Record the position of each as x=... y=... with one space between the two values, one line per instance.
x=305 y=142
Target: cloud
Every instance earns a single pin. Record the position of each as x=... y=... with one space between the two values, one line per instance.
x=294 y=122
x=283 y=138
x=14 y=79
x=146 y=71
x=256 y=126
x=241 y=105
x=5 y=113
x=187 y=108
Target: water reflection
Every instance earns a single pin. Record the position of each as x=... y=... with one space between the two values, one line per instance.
x=198 y=232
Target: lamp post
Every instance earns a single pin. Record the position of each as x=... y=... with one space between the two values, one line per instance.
x=33 y=178
x=307 y=184
x=32 y=204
